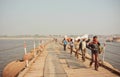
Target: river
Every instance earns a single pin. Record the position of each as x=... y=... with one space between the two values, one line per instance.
x=11 y=50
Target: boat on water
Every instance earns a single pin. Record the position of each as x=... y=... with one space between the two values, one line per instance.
x=114 y=39
x=109 y=40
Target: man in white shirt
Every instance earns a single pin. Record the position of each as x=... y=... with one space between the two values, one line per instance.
x=83 y=48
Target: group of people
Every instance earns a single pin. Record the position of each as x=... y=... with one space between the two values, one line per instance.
x=80 y=45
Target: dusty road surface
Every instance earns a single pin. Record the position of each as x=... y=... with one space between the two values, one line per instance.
x=54 y=62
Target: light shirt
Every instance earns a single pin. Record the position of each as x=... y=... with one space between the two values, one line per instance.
x=83 y=45
x=76 y=44
x=71 y=43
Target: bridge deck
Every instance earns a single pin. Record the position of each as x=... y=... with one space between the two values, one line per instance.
x=54 y=62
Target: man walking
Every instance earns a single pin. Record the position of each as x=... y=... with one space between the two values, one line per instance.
x=83 y=48
x=94 y=47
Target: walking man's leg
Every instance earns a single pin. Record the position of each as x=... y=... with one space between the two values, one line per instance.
x=77 y=54
x=96 y=62
x=71 y=50
x=92 y=59
x=64 y=47
x=83 y=54
x=84 y=51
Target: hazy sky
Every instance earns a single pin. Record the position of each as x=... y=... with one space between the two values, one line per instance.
x=19 y=17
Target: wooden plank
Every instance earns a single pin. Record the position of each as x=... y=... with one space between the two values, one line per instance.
x=72 y=63
x=71 y=60
x=53 y=67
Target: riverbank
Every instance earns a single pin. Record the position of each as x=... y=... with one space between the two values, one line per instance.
x=24 y=38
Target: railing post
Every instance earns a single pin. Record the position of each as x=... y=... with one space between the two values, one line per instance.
x=25 y=48
x=104 y=51
x=39 y=42
x=26 y=56
x=34 y=50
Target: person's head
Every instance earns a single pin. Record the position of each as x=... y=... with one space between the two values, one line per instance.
x=95 y=38
x=84 y=39
x=88 y=40
x=78 y=40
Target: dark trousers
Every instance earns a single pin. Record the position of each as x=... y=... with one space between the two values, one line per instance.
x=64 y=47
x=94 y=59
x=71 y=49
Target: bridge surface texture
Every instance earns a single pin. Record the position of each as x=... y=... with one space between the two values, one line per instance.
x=54 y=62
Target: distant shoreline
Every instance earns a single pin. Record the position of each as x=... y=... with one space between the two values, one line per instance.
x=24 y=38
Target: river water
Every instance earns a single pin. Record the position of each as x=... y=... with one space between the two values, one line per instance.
x=112 y=54
x=14 y=49
x=11 y=50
